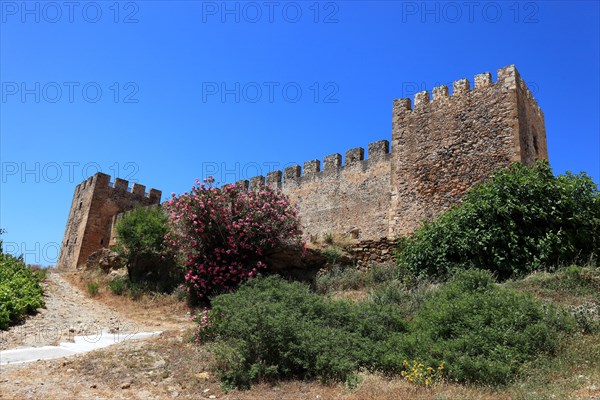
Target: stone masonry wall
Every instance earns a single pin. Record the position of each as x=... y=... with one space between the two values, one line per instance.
x=369 y=252
x=95 y=204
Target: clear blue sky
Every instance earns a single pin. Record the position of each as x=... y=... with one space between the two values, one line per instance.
x=164 y=92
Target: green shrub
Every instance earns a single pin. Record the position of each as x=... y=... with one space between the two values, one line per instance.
x=93 y=288
x=270 y=329
x=118 y=286
x=524 y=219
x=140 y=238
x=20 y=290
x=587 y=316
x=331 y=254
x=407 y=298
x=481 y=331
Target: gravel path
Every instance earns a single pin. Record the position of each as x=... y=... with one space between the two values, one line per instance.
x=68 y=313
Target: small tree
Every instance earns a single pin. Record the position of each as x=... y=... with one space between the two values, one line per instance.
x=140 y=237
x=223 y=233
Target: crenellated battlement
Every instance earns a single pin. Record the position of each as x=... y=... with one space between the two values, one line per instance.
x=449 y=140
x=329 y=193
x=120 y=186
x=508 y=78
x=332 y=165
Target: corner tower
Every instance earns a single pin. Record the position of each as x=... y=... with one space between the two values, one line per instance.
x=96 y=202
x=444 y=145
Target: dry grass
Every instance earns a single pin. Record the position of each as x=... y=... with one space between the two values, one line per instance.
x=150 y=309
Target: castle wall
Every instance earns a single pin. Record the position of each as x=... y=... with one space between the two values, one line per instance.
x=95 y=204
x=352 y=199
x=443 y=146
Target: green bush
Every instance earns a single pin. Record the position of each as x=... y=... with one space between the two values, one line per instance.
x=140 y=238
x=136 y=290
x=481 y=331
x=524 y=219
x=93 y=288
x=407 y=298
x=20 y=290
x=270 y=329
x=118 y=286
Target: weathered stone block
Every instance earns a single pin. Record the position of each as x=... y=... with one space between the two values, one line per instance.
x=292 y=172
x=461 y=86
x=440 y=93
x=483 y=80
x=312 y=167
x=332 y=162
x=274 y=179
x=421 y=98
x=355 y=155
x=402 y=104
x=378 y=150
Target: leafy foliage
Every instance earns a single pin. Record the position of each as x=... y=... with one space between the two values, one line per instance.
x=93 y=288
x=118 y=286
x=224 y=233
x=270 y=329
x=20 y=290
x=522 y=220
x=480 y=332
x=140 y=238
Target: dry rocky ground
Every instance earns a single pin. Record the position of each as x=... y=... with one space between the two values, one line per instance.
x=170 y=366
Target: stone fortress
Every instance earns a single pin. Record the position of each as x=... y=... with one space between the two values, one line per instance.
x=440 y=147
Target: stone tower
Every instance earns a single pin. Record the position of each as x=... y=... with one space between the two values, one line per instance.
x=95 y=206
x=443 y=146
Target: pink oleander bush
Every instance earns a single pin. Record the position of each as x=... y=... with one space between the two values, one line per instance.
x=223 y=233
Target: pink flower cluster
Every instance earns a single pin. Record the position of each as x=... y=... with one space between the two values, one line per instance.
x=224 y=232
x=204 y=331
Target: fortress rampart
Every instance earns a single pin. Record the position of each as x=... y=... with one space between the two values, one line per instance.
x=440 y=147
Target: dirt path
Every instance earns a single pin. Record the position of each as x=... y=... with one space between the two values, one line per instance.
x=68 y=313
